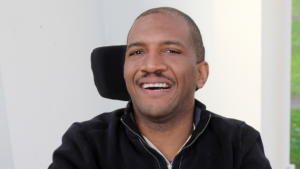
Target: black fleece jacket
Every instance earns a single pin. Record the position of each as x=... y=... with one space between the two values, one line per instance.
x=112 y=141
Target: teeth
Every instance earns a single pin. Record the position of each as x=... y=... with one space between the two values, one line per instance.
x=145 y=86
x=159 y=89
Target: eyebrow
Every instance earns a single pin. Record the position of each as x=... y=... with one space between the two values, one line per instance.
x=164 y=42
x=135 y=44
x=173 y=43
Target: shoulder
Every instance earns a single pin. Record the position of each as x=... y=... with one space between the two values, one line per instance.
x=241 y=138
x=231 y=126
x=102 y=122
x=80 y=141
x=234 y=131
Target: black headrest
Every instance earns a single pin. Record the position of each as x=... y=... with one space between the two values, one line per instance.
x=107 y=66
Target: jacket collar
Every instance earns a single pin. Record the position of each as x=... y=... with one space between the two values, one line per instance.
x=201 y=119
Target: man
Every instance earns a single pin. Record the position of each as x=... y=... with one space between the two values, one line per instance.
x=163 y=126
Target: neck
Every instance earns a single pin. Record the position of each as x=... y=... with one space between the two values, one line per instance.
x=167 y=135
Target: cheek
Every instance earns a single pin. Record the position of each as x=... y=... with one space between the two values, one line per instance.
x=128 y=73
x=130 y=70
x=187 y=75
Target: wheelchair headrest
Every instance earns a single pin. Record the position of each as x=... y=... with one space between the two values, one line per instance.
x=107 y=67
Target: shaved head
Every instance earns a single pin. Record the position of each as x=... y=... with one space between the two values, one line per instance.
x=195 y=34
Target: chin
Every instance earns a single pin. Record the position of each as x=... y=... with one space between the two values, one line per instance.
x=156 y=112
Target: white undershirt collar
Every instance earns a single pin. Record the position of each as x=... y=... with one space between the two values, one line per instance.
x=155 y=148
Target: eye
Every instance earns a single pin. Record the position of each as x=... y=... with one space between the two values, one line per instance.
x=173 y=51
x=136 y=52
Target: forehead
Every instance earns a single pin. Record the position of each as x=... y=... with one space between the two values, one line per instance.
x=159 y=27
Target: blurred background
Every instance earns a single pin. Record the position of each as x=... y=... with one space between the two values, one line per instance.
x=46 y=82
x=295 y=85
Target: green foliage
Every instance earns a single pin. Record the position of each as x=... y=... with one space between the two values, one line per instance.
x=295 y=79
x=295 y=85
x=295 y=137
x=296 y=7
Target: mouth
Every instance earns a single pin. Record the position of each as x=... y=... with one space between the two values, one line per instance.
x=156 y=86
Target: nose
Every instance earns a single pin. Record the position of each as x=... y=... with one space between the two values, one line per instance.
x=154 y=62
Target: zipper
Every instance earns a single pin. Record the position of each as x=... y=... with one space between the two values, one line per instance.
x=136 y=134
x=193 y=140
x=169 y=164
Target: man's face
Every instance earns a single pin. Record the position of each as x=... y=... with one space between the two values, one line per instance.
x=160 y=66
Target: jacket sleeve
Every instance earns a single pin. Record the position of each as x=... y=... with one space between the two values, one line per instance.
x=253 y=151
x=74 y=152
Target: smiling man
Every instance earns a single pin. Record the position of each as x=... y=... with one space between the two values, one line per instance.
x=163 y=126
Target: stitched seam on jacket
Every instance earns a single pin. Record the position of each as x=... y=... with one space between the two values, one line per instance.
x=180 y=161
x=150 y=153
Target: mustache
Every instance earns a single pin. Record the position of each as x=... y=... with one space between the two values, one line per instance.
x=157 y=74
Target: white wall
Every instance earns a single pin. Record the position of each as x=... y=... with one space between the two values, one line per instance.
x=47 y=80
x=45 y=51
x=6 y=160
x=276 y=69
x=236 y=89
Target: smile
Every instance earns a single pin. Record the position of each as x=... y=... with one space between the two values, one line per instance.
x=156 y=86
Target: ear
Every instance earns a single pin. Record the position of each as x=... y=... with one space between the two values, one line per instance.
x=203 y=71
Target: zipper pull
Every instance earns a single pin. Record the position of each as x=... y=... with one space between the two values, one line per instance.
x=170 y=166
